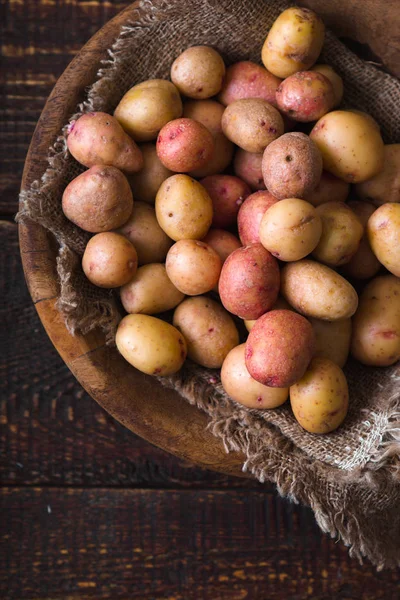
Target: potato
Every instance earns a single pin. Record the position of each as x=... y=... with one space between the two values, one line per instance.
x=209 y=330
x=341 y=234
x=98 y=200
x=321 y=398
x=143 y=231
x=290 y=229
x=371 y=119
x=249 y=282
x=279 y=348
x=292 y=166
x=147 y=107
x=184 y=145
x=350 y=145
x=252 y=124
x=385 y=186
x=294 y=42
x=97 y=138
x=329 y=189
x=247 y=166
x=109 y=260
x=335 y=79
x=363 y=264
x=198 y=72
x=246 y=79
x=223 y=242
x=383 y=230
x=227 y=194
x=184 y=209
x=193 y=267
x=150 y=291
x=147 y=182
x=151 y=345
x=279 y=304
x=376 y=324
x=305 y=96
x=315 y=290
x=332 y=339
x=250 y=216
x=241 y=387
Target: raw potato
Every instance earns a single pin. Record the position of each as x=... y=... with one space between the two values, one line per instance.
x=143 y=231
x=363 y=264
x=252 y=124
x=342 y=231
x=147 y=182
x=315 y=290
x=305 y=96
x=279 y=348
x=241 y=387
x=184 y=209
x=290 y=229
x=223 y=242
x=193 y=267
x=97 y=138
x=383 y=231
x=376 y=324
x=151 y=345
x=329 y=189
x=147 y=107
x=246 y=79
x=350 y=145
x=150 y=291
x=280 y=304
x=198 y=72
x=227 y=194
x=184 y=145
x=385 y=186
x=333 y=339
x=98 y=200
x=250 y=216
x=334 y=78
x=321 y=398
x=247 y=166
x=294 y=42
x=292 y=166
x=109 y=260
x=209 y=330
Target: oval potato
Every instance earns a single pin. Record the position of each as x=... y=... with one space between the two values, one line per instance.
x=150 y=291
x=385 y=186
x=333 y=339
x=383 y=230
x=109 y=260
x=342 y=231
x=193 y=267
x=147 y=182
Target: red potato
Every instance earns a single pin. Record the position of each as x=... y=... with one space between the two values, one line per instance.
x=247 y=166
x=329 y=189
x=227 y=194
x=250 y=216
x=223 y=242
x=184 y=145
x=109 y=260
x=193 y=267
x=246 y=79
x=305 y=96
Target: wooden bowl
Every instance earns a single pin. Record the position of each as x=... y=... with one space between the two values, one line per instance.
x=138 y=401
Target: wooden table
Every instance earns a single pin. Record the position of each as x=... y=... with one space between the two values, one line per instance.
x=88 y=510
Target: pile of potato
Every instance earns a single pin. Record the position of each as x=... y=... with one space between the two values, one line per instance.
x=236 y=205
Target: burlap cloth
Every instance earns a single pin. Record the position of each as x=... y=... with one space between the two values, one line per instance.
x=350 y=478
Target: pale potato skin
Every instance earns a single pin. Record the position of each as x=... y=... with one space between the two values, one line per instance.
x=147 y=182
x=209 y=330
x=315 y=290
x=294 y=42
x=227 y=193
x=223 y=242
x=320 y=399
x=184 y=209
x=184 y=145
x=147 y=107
x=385 y=186
x=252 y=124
x=143 y=231
x=383 y=230
x=290 y=229
x=98 y=200
x=193 y=267
x=151 y=345
x=333 y=339
x=109 y=260
x=305 y=96
x=329 y=189
x=247 y=166
x=350 y=144
x=279 y=348
x=250 y=216
x=334 y=78
x=198 y=72
x=279 y=304
x=363 y=264
x=97 y=138
x=241 y=387
x=150 y=291
x=246 y=79
x=292 y=166
x=342 y=231
x=376 y=324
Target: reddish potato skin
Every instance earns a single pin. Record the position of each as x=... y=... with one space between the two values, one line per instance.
x=223 y=242
x=249 y=282
x=279 y=348
x=305 y=96
x=246 y=79
x=250 y=216
x=247 y=166
x=227 y=194
x=329 y=189
x=184 y=145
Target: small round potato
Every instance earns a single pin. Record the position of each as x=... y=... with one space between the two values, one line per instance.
x=150 y=291
x=305 y=96
x=147 y=182
x=363 y=264
x=241 y=387
x=184 y=145
x=383 y=230
x=385 y=186
x=109 y=260
x=315 y=290
x=246 y=79
x=252 y=124
x=209 y=330
x=350 y=145
x=227 y=193
x=329 y=189
x=198 y=72
x=321 y=398
x=184 y=209
x=334 y=78
x=250 y=216
x=280 y=304
x=292 y=166
x=151 y=345
x=290 y=229
x=223 y=242
x=193 y=267
x=333 y=339
x=247 y=166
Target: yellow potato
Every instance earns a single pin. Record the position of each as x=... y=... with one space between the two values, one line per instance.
x=333 y=339
x=150 y=291
x=363 y=264
x=193 y=267
x=198 y=72
x=147 y=182
x=384 y=187
x=151 y=345
x=109 y=260
x=321 y=398
x=334 y=78
x=383 y=230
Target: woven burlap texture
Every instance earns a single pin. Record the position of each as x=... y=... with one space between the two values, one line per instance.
x=350 y=478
